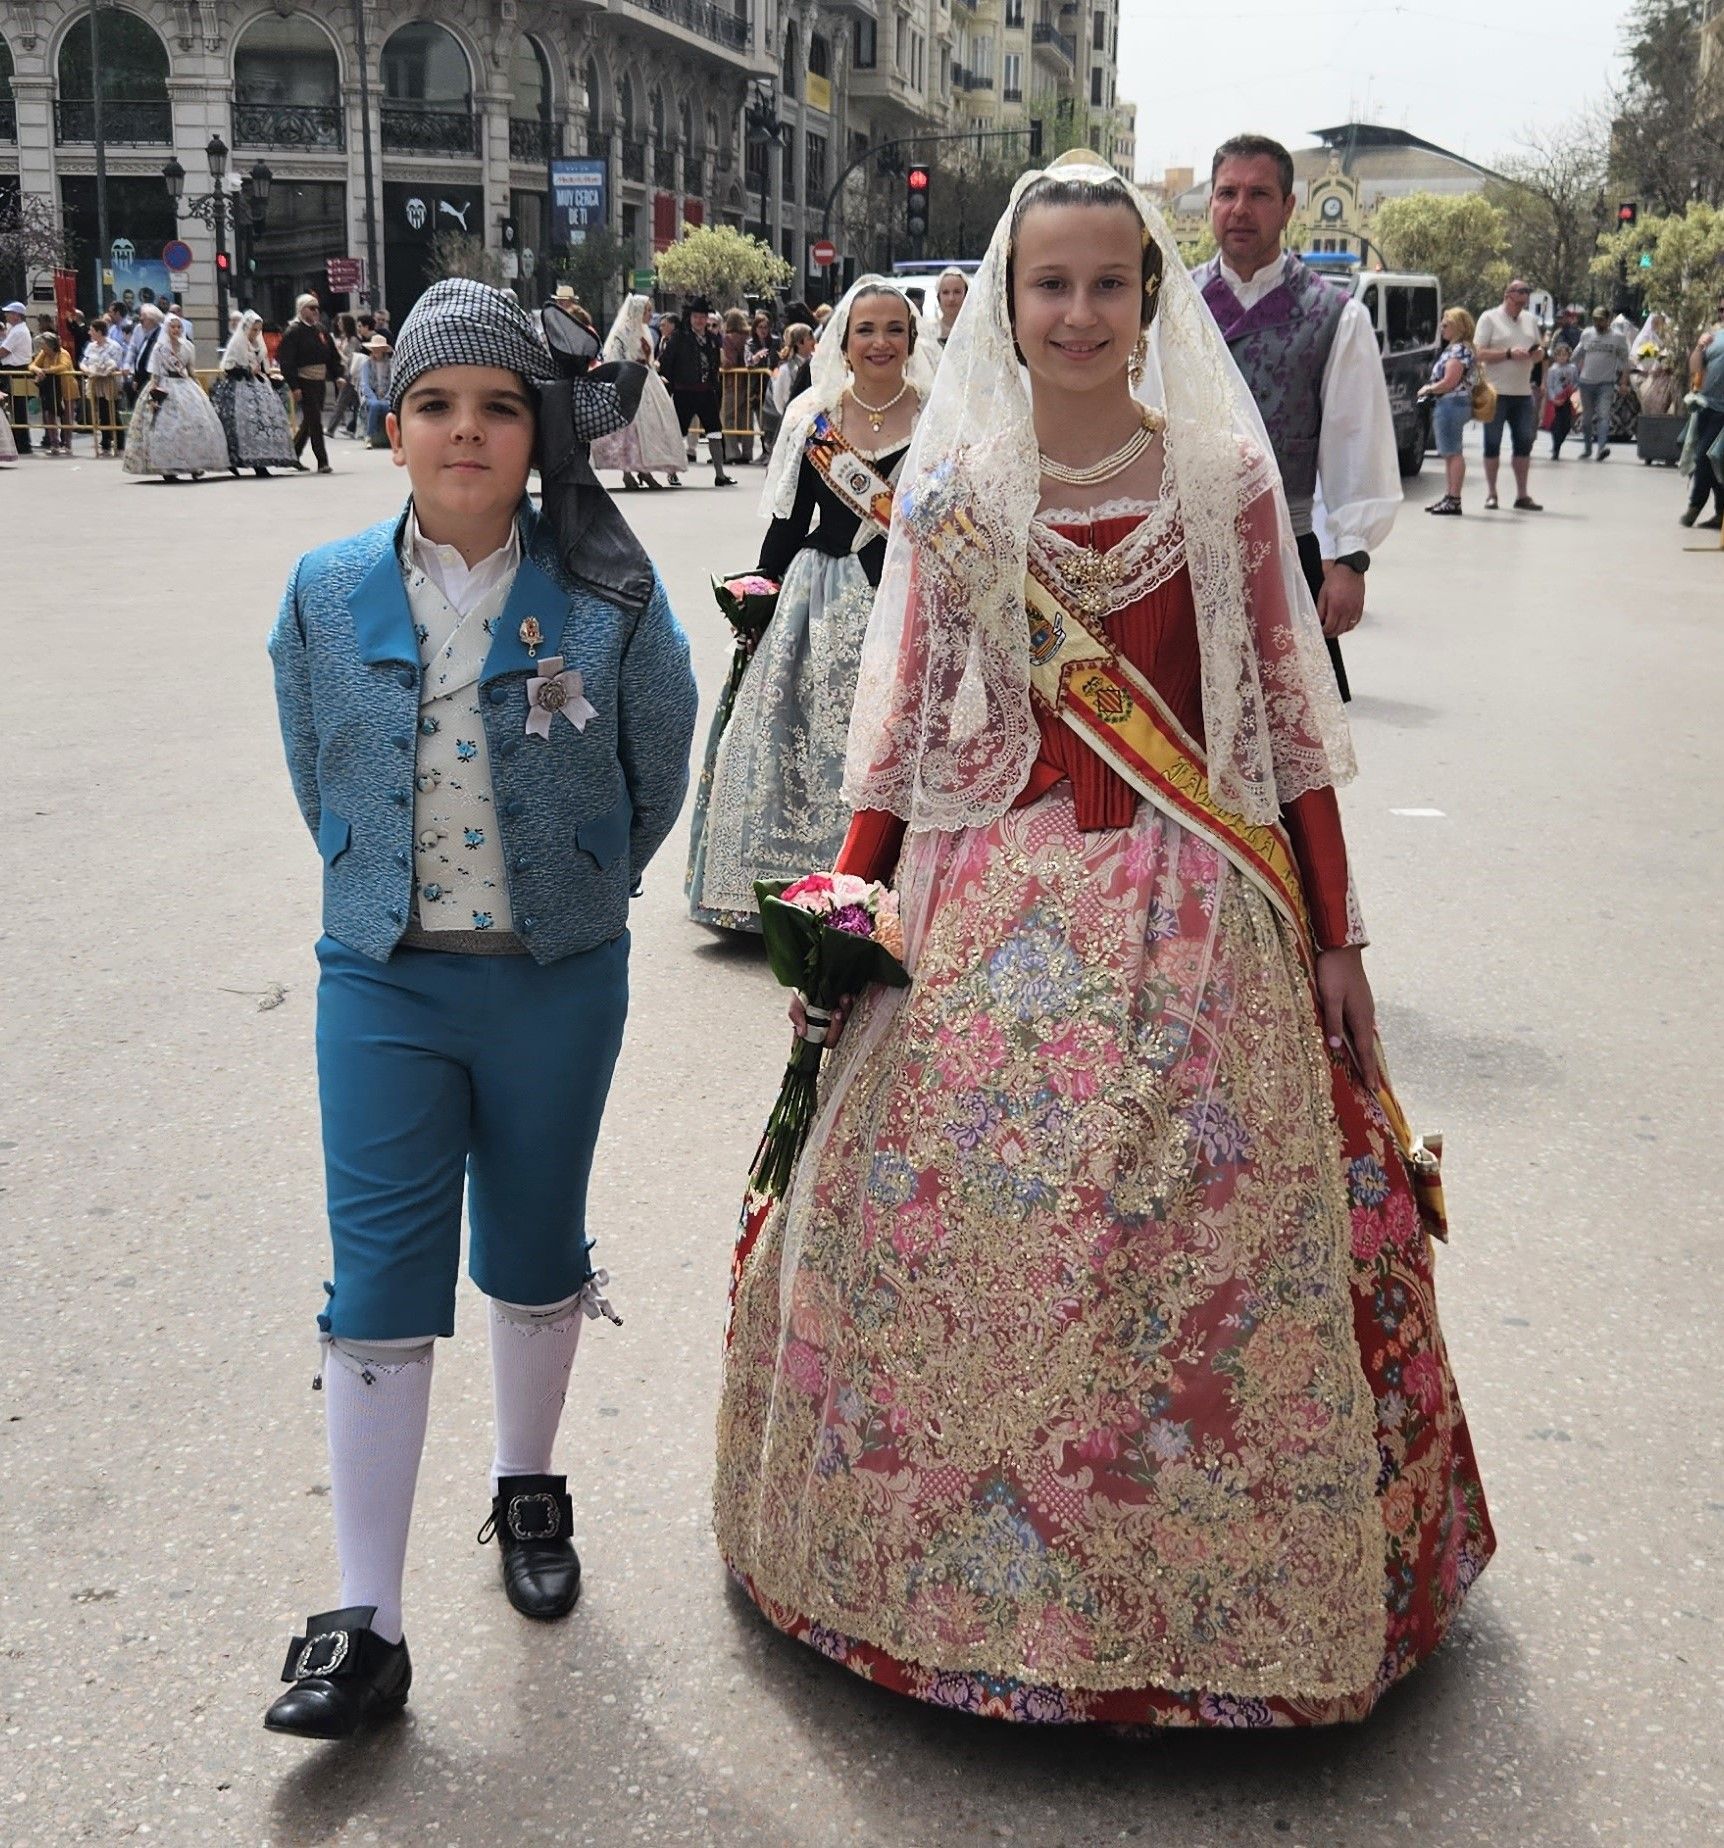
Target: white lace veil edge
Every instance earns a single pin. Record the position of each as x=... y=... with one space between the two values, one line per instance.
x=827 y=377
x=942 y=732
x=624 y=339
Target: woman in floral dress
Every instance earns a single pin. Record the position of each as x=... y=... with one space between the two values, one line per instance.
x=1091 y=1368
x=251 y=416
x=174 y=430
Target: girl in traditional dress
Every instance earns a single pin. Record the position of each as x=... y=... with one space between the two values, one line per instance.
x=1091 y=1368
x=950 y=291
x=8 y=445
x=174 y=430
x=769 y=805
x=251 y=416
x=654 y=439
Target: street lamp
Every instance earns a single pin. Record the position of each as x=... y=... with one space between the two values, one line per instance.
x=254 y=190
x=211 y=209
x=765 y=129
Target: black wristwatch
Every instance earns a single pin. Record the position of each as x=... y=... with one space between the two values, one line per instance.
x=1355 y=561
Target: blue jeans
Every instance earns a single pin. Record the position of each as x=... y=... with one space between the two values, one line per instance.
x=1515 y=415
x=438 y=1072
x=1449 y=417
x=1595 y=403
x=375 y=412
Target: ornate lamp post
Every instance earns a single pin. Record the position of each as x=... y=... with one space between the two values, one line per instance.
x=211 y=209
x=254 y=192
x=765 y=130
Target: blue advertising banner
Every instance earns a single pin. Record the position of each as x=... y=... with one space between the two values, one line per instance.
x=578 y=201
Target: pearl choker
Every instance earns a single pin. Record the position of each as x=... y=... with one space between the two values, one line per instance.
x=1150 y=424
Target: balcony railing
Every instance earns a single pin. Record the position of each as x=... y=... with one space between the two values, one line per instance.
x=285 y=125
x=1013 y=93
x=531 y=138
x=598 y=141
x=1062 y=42
x=138 y=125
x=718 y=23
x=664 y=169
x=411 y=130
x=966 y=79
x=8 y=119
x=634 y=158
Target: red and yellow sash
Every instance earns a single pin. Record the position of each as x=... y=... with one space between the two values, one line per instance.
x=1094 y=690
x=862 y=489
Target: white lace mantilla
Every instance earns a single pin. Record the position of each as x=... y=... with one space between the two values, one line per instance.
x=1098 y=582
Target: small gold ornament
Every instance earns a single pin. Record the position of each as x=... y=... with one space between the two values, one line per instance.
x=531 y=634
x=1139 y=356
x=551 y=695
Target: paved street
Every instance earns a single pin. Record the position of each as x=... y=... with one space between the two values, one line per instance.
x=1536 y=842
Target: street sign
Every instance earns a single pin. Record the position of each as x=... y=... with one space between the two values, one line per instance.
x=346 y=275
x=578 y=198
x=177 y=255
x=822 y=253
x=642 y=282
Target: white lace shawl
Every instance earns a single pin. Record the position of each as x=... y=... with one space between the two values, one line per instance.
x=942 y=732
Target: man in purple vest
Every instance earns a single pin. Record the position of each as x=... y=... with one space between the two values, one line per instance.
x=1309 y=354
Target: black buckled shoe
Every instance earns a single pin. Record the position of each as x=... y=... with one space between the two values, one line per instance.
x=345 y=1677
x=531 y=1517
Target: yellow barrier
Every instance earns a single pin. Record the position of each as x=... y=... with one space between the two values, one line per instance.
x=99 y=408
x=742 y=392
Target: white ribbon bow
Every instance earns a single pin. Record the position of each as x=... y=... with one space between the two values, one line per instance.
x=553 y=690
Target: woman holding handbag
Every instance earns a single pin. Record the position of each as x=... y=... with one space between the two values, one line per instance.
x=1454 y=374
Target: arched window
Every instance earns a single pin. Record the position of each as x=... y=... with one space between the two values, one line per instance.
x=532 y=135
x=286 y=85
x=791 y=78
x=8 y=110
x=530 y=81
x=135 y=106
x=427 y=93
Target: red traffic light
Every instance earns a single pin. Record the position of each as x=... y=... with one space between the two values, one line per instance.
x=222 y=261
x=917 y=179
x=1627 y=213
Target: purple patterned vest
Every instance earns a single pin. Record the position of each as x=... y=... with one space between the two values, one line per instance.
x=1282 y=343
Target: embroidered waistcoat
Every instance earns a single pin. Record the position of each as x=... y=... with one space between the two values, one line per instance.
x=1282 y=343
x=458 y=874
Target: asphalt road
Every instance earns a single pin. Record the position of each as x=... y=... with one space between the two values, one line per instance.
x=1536 y=843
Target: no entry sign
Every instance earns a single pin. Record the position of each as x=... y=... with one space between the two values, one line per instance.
x=823 y=253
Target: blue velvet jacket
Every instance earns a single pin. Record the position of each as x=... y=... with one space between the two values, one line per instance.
x=581 y=812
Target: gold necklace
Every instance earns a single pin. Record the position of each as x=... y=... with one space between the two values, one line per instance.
x=877 y=412
x=1149 y=424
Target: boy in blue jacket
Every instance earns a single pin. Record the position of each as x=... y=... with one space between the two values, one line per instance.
x=487 y=714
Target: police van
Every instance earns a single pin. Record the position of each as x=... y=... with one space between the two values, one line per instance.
x=1406 y=309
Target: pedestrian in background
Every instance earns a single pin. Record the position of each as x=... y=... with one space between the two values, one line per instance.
x=691 y=361
x=1601 y=358
x=308 y=361
x=252 y=419
x=376 y=369
x=735 y=409
x=797 y=351
x=1450 y=392
x=1562 y=383
x=1509 y=346
x=56 y=382
x=344 y=412
x=1707 y=362
x=16 y=352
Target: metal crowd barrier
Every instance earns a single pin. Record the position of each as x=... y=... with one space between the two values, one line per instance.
x=20 y=390
x=742 y=394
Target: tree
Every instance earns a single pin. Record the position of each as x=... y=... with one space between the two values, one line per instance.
x=971 y=192
x=1196 y=242
x=593 y=267
x=1687 y=269
x=721 y=264
x=1668 y=132
x=1463 y=240
x=1551 y=195
x=457 y=253
x=31 y=237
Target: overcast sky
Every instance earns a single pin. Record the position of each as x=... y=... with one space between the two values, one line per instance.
x=1200 y=72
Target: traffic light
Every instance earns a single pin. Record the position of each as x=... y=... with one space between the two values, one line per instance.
x=1627 y=213
x=511 y=235
x=222 y=263
x=916 y=201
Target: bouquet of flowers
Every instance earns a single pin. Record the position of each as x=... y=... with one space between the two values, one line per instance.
x=827 y=936
x=747 y=601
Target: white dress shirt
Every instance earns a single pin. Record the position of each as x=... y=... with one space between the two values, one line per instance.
x=16 y=346
x=1358 y=472
x=458 y=874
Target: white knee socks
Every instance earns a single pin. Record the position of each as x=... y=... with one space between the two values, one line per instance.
x=532 y=1351
x=376 y=1397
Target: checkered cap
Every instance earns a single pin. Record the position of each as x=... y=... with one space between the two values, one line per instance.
x=457 y=322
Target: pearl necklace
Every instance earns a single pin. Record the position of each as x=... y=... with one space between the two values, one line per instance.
x=1122 y=458
x=877 y=412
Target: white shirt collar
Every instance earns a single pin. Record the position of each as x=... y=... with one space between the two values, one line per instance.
x=449 y=571
x=1252 y=291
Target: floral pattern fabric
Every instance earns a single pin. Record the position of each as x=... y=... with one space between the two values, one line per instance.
x=1091 y=1370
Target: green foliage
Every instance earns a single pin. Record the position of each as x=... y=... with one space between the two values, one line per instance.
x=721 y=263
x=1668 y=134
x=1687 y=273
x=970 y=194
x=1462 y=240
x=595 y=268
x=1196 y=244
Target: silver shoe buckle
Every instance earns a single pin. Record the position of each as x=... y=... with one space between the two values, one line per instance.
x=336 y=1644
x=545 y=1526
